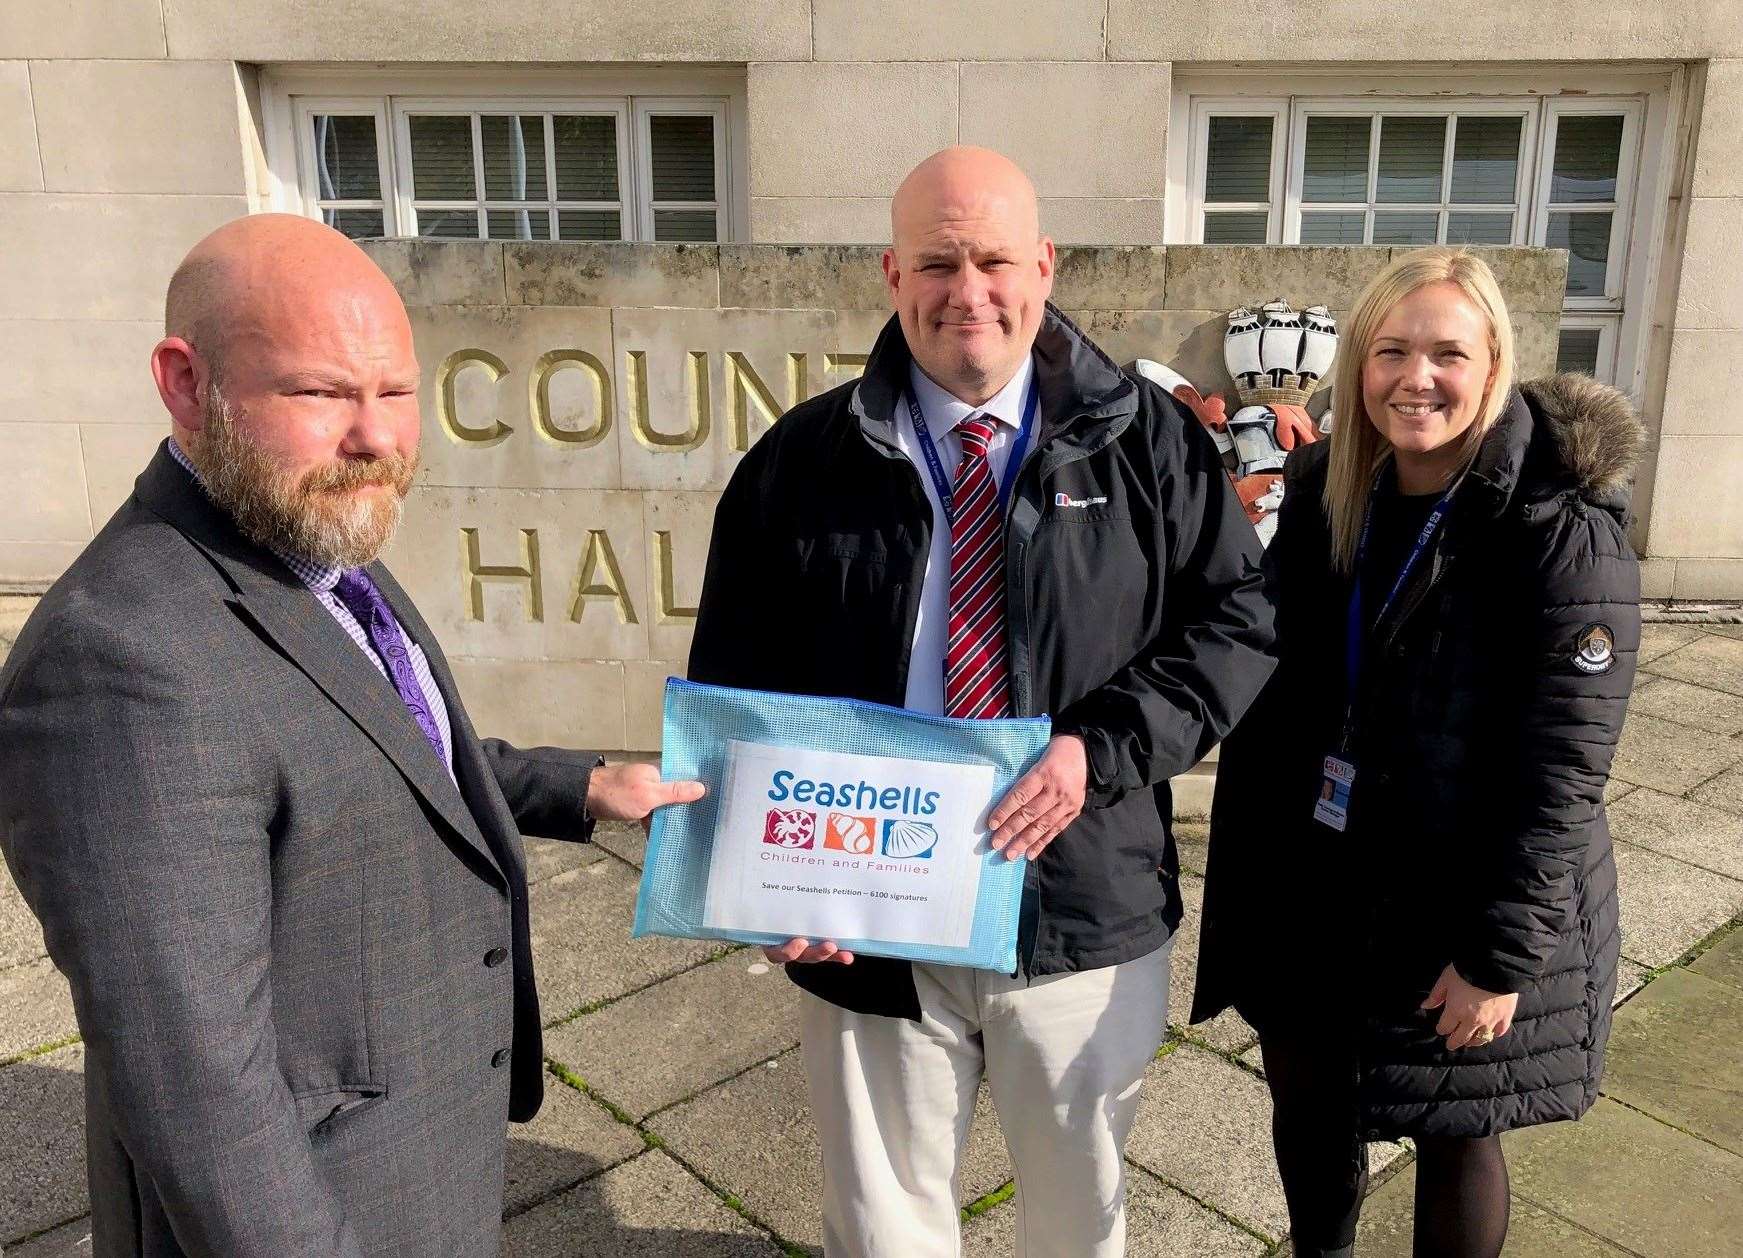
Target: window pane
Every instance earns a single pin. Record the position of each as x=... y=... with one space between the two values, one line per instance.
x=684 y=225
x=1586 y=237
x=448 y=224
x=357 y=224
x=1587 y=149
x=1336 y=168
x=518 y=224
x=346 y=168
x=586 y=157
x=514 y=158
x=1331 y=229
x=1238 y=160
x=1412 y=152
x=1246 y=228
x=683 y=158
x=442 y=159
x=589 y=225
x=1406 y=229
x=1479 y=229
x=1486 y=159
x=1578 y=350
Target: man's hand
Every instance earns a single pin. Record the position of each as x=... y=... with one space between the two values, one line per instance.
x=1469 y=1016
x=631 y=792
x=806 y=952
x=1044 y=801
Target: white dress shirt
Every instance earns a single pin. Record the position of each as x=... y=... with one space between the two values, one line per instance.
x=943 y=412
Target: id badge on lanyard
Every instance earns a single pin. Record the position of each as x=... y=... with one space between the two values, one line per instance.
x=935 y=466
x=1332 y=808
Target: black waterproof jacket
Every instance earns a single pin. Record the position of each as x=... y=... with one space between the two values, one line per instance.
x=1139 y=621
x=1491 y=701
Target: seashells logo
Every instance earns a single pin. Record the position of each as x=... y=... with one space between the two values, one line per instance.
x=844 y=833
x=790 y=827
x=909 y=840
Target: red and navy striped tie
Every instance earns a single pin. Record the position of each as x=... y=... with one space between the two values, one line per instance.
x=976 y=670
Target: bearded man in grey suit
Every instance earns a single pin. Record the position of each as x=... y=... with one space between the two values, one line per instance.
x=282 y=873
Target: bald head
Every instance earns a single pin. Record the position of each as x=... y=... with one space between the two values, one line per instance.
x=968 y=269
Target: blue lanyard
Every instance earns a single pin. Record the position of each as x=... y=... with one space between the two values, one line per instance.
x=1355 y=625
x=1012 y=466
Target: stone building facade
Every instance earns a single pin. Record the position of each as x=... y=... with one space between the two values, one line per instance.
x=128 y=128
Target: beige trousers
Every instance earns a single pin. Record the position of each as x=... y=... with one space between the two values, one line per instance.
x=1064 y=1056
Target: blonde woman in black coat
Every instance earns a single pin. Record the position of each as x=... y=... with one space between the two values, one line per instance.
x=1410 y=893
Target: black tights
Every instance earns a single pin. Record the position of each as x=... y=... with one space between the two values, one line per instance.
x=1461 y=1183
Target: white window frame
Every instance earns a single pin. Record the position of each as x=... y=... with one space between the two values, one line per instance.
x=1606 y=327
x=308 y=161
x=1206 y=108
x=292 y=94
x=1652 y=95
x=1627 y=165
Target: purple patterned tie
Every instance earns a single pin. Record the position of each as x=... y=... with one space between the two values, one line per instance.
x=360 y=594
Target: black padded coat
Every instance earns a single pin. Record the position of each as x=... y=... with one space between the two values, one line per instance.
x=1491 y=700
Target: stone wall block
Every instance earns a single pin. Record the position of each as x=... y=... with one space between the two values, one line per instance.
x=510 y=31
x=821 y=220
x=1705 y=381
x=80 y=372
x=517 y=397
x=1535 y=337
x=99 y=257
x=1657 y=578
x=644 y=689
x=139 y=126
x=1102 y=220
x=1720 y=579
x=464 y=554
x=534 y=703
x=846 y=129
x=572 y=273
x=33 y=565
x=42 y=484
x=443 y=272
x=676 y=532
x=1221 y=277
x=958 y=30
x=803 y=277
x=1718 y=172
x=20 y=163
x=1709 y=295
x=1532 y=279
x=90 y=28
x=1129 y=278
x=115 y=455
x=1701 y=514
x=1052 y=119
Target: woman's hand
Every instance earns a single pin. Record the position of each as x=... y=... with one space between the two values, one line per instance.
x=1469 y=1016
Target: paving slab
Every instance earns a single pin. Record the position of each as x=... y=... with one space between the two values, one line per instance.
x=1710 y=660
x=669 y=1042
x=1227 y=1032
x=1615 y=788
x=72 y=1240
x=1724 y=960
x=1669 y=757
x=582 y=950
x=1388 y=1223
x=753 y=1136
x=573 y=1138
x=625 y=840
x=42 y=1110
x=1724 y=791
x=20 y=932
x=1192 y=838
x=36 y=1008
x=1674 y=826
x=1724 y=631
x=1667 y=907
x=548 y=857
x=1676 y=1052
x=1630 y=977
x=1712 y=710
x=647 y=1208
x=1632 y=1180
x=1161 y=1222
x=1661 y=639
x=1205 y=1125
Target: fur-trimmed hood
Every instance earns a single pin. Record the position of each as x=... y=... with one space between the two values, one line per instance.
x=1594 y=428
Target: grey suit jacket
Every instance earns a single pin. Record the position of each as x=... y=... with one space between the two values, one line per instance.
x=298 y=953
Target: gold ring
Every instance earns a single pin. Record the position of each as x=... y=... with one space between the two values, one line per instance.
x=1482 y=1035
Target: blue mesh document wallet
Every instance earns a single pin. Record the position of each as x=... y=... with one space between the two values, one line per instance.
x=836 y=819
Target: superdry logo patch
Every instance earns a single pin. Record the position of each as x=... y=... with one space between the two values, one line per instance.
x=1595 y=652
x=1066 y=500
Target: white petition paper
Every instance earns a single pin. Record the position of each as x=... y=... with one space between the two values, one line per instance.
x=826 y=845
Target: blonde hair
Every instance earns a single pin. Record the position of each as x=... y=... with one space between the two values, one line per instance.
x=1357 y=446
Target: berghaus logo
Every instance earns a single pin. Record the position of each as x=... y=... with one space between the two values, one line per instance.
x=1066 y=500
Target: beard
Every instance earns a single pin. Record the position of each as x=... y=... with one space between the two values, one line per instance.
x=318 y=515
